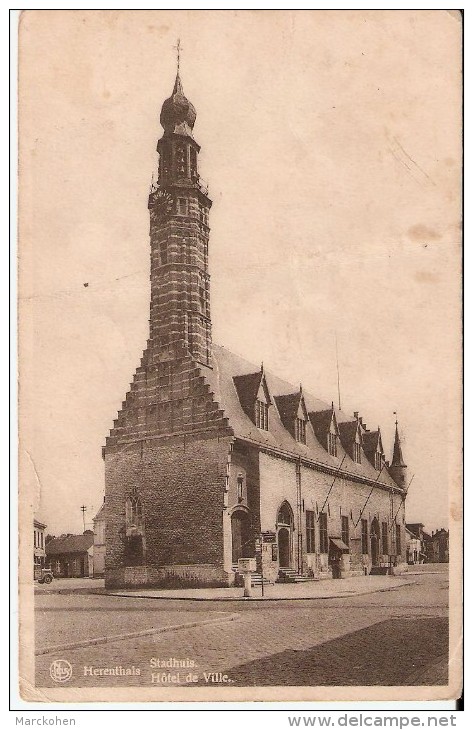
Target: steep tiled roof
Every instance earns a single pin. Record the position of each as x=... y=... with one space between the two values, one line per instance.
x=370 y=441
x=247 y=387
x=70 y=544
x=321 y=421
x=223 y=378
x=347 y=434
x=288 y=405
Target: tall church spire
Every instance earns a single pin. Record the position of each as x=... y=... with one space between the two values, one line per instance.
x=398 y=466
x=397 y=451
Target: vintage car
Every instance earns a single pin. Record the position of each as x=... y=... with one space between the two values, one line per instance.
x=46 y=575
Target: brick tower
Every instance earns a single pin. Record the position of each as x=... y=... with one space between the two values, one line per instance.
x=179 y=231
x=167 y=454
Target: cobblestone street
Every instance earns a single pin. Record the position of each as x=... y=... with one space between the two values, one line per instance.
x=398 y=636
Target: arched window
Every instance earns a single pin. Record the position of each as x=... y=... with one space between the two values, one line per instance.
x=285 y=516
x=134 y=514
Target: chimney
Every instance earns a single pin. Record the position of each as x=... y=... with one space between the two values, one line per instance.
x=355 y=413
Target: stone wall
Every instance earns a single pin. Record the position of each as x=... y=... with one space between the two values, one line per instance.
x=181 y=484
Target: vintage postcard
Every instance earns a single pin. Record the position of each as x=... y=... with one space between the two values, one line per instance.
x=240 y=355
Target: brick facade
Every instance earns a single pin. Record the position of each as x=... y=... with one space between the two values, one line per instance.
x=208 y=452
x=181 y=485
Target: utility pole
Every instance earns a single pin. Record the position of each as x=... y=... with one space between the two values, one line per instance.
x=338 y=374
x=83 y=509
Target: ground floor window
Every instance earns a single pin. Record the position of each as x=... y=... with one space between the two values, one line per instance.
x=323 y=532
x=384 y=538
x=364 y=537
x=345 y=531
x=310 y=531
x=398 y=539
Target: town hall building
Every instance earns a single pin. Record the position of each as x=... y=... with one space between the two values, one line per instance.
x=212 y=458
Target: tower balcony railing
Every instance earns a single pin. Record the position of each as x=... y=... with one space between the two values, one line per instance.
x=161 y=181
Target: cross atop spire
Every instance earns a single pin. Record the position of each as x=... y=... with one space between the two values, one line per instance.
x=178 y=49
x=397 y=451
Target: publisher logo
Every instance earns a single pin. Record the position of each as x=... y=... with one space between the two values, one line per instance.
x=60 y=670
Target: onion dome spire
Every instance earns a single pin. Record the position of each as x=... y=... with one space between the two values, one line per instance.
x=178 y=114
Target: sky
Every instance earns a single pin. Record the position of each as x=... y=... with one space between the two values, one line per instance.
x=331 y=145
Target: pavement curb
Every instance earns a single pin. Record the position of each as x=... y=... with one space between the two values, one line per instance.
x=259 y=599
x=133 y=634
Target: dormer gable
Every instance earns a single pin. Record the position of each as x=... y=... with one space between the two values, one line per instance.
x=351 y=437
x=293 y=413
x=254 y=397
x=373 y=448
x=326 y=429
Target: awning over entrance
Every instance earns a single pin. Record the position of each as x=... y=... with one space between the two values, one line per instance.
x=339 y=544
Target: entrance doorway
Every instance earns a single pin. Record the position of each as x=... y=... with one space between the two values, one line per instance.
x=374 y=542
x=242 y=544
x=134 y=552
x=285 y=525
x=283 y=548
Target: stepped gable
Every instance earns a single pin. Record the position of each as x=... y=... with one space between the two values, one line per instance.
x=165 y=399
x=227 y=367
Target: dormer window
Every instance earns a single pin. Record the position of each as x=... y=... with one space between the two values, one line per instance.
x=261 y=415
x=357 y=453
x=300 y=430
x=378 y=461
x=332 y=444
x=254 y=397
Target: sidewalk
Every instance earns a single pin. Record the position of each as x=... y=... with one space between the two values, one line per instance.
x=111 y=633
x=312 y=590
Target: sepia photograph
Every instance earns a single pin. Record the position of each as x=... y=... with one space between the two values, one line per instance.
x=240 y=355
